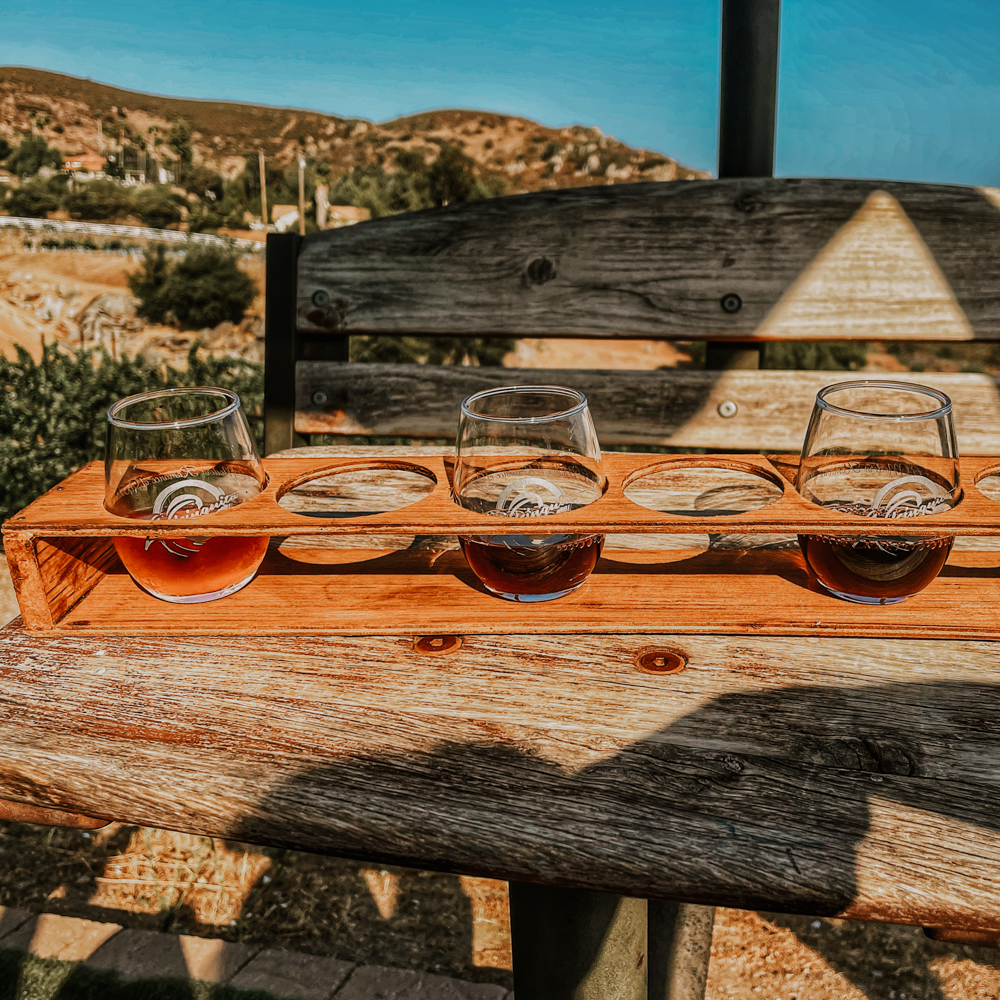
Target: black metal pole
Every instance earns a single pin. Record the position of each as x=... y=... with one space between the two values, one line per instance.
x=281 y=341
x=748 y=93
x=748 y=87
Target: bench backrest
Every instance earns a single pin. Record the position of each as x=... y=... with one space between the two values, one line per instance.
x=729 y=262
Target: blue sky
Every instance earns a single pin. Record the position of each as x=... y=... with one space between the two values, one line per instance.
x=881 y=88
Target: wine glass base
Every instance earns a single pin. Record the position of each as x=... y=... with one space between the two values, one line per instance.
x=534 y=598
x=860 y=598
x=215 y=595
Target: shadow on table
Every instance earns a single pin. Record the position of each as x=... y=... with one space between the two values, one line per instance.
x=775 y=787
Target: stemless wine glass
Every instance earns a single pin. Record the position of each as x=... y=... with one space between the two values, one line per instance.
x=524 y=452
x=174 y=455
x=879 y=449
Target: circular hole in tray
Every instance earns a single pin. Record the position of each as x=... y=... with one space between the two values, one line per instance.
x=702 y=490
x=989 y=485
x=339 y=550
x=357 y=492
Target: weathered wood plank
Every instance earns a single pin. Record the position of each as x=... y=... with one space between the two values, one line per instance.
x=838 y=776
x=675 y=407
x=752 y=258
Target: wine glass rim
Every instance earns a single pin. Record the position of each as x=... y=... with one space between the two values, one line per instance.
x=942 y=398
x=231 y=407
x=560 y=390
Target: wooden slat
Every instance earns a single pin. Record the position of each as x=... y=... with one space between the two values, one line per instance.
x=676 y=407
x=78 y=509
x=808 y=259
x=838 y=776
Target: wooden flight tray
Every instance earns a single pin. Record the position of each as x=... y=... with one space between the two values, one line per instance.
x=69 y=580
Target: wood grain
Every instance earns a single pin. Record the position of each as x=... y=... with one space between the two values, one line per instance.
x=674 y=407
x=721 y=591
x=852 y=777
x=76 y=509
x=808 y=259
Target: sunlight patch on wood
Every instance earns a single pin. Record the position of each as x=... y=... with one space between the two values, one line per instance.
x=875 y=280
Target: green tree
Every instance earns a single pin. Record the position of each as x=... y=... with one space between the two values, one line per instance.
x=208 y=287
x=157 y=208
x=205 y=183
x=179 y=140
x=32 y=200
x=147 y=283
x=31 y=155
x=98 y=201
x=204 y=289
x=451 y=176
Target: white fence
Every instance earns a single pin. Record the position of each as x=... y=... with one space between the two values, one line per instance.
x=133 y=232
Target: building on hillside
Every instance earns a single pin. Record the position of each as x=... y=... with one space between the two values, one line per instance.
x=345 y=215
x=84 y=166
x=334 y=216
x=284 y=217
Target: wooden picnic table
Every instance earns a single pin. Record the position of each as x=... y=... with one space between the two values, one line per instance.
x=840 y=776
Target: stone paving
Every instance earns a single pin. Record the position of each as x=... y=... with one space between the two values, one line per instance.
x=139 y=954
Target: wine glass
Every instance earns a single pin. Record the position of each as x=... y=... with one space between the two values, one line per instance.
x=879 y=449
x=525 y=452
x=179 y=454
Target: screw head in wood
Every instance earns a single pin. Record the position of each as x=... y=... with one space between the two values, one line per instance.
x=660 y=660
x=727 y=408
x=437 y=645
x=319 y=397
x=321 y=298
x=731 y=303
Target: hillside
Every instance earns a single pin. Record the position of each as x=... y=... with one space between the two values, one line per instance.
x=527 y=156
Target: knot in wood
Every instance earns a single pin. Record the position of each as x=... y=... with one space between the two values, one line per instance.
x=437 y=645
x=540 y=270
x=747 y=204
x=653 y=660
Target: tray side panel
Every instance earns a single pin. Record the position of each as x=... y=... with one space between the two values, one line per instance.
x=70 y=568
x=756 y=592
x=29 y=589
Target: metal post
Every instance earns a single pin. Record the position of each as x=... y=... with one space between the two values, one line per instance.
x=747 y=100
x=281 y=347
x=569 y=944
x=748 y=88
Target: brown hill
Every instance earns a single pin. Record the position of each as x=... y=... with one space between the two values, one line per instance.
x=67 y=111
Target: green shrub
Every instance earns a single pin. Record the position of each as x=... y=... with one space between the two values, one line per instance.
x=815 y=356
x=98 y=201
x=204 y=289
x=32 y=154
x=32 y=200
x=51 y=243
x=53 y=413
x=485 y=351
x=157 y=208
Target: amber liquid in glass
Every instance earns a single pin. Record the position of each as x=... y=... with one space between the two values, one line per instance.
x=526 y=569
x=874 y=570
x=188 y=570
x=191 y=567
